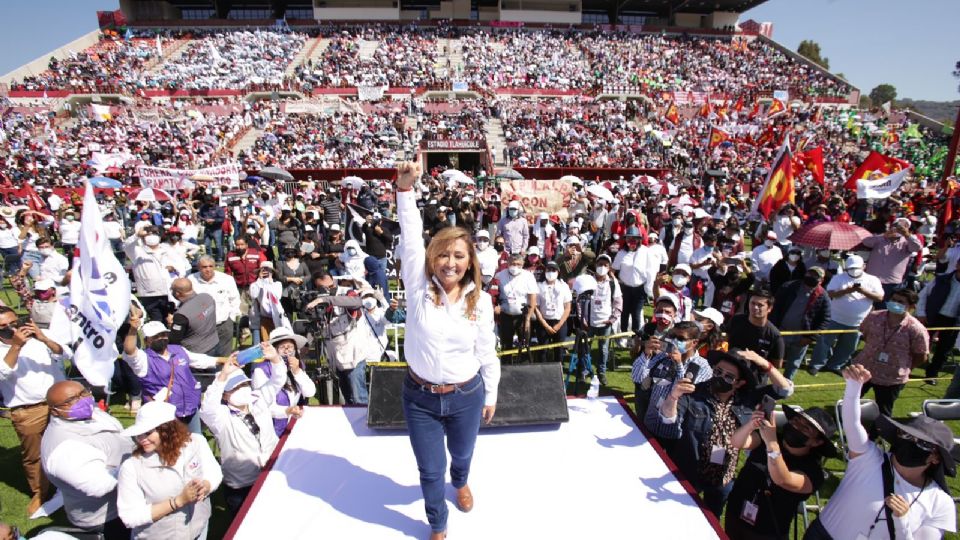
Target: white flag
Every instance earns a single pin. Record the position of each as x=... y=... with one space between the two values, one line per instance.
x=881 y=188
x=99 y=297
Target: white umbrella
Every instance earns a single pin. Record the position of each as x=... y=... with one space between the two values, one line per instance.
x=453 y=175
x=354 y=182
x=600 y=192
x=573 y=179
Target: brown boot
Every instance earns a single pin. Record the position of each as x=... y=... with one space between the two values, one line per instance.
x=34 y=505
x=464 y=499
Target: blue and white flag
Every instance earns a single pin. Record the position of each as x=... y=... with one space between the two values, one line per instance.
x=99 y=299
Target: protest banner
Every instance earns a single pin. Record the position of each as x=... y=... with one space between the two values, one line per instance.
x=881 y=188
x=172 y=179
x=550 y=196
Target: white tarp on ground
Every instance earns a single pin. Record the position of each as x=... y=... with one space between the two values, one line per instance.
x=594 y=477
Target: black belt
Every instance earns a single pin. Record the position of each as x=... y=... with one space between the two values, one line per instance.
x=438 y=388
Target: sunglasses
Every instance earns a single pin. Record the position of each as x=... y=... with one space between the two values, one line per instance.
x=729 y=377
x=921 y=444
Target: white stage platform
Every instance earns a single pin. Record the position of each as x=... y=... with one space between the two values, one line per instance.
x=594 y=477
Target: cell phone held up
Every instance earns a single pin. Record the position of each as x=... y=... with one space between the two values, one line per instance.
x=693 y=370
x=767 y=405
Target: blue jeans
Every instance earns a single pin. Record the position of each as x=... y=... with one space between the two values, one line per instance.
x=793 y=353
x=216 y=236
x=429 y=417
x=36 y=259
x=833 y=351
x=380 y=278
x=603 y=347
x=11 y=259
x=353 y=384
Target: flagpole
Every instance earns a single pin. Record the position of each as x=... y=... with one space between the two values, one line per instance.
x=950 y=163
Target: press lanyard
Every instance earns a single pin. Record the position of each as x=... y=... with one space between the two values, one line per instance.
x=893 y=335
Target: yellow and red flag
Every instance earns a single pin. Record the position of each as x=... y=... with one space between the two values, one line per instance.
x=778 y=189
x=705 y=110
x=672 y=114
x=717 y=136
x=739 y=105
x=755 y=110
x=811 y=160
x=776 y=107
x=876 y=161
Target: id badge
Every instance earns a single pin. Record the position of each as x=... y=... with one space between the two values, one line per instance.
x=749 y=512
x=883 y=358
x=717 y=455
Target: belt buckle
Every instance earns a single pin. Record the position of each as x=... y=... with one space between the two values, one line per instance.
x=436 y=388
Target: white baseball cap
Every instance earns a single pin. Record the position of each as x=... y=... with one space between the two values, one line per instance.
x=533 y=250
x=853 y=261
x=514 y=204
x=712 y=314
x=483 y=234
x=154 y=328
x=151 y=415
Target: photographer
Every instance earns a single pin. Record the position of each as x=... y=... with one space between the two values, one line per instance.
x=377 y=241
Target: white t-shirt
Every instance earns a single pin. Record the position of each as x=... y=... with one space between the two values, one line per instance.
x=699 y=256
x=489 y=260
x=552 y=298
x=859 y=498
x=850 y=309
x=69 y=231
x=783 y=226
x=9 y=237
x=514 y=290
x=602 y=308
x=113 y=230
x=764 y=258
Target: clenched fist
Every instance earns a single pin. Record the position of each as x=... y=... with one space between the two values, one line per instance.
x=408 y=172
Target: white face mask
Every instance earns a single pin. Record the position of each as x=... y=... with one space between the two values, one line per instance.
x=768 y=243
x=551 y=276
x=602 y=270
x=241 y=397
x=680 y=280
x=794 y=257
x=306 y=248
x=151 y=240
x=46 y=252
x=482 y=244
x=855 y=272
x=514 y=270
x=351 y=252
x=369 y=303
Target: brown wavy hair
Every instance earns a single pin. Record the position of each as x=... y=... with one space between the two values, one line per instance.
x=174 y=436
x=440 y=243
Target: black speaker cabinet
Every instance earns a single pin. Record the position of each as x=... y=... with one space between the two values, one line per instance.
x=531 y=394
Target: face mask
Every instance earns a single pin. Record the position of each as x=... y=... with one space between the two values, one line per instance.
x=824 y=253
x=708 y=249
x=46 y=252
x=602 y=270
x=855 y=272
x=498 y=247
x=512 y=212
x=514 y=270
x=793 y=437
x=768 y=243
x=893 y=307
x=174 y=239
x=811 y=281
x=151 y=240
x=663 y=317
x=680 y=280
x=352 y=252
x=44 y=296
x=632 y=246
x=241 y=397
x=159 y=345
x=369 y=303
x=551 y=276
x=677 y=222
x=720 y=386
x=307 y=248
x=909 y=454
x=482 y=245
x=70 y=218
x=681 y=346
x=82 y=409
x=251 y=230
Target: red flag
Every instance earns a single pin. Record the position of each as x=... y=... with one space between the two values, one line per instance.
x=811 y=160
x=722 y=110
x=739 y=106
x=876 y=161
x=767 y=137
x=776 y=107
x=946 y=212
x=672 y=114
x=706 y=109
x=755 y=110
x=717 y=136
x=778 y=189
x=34 y=201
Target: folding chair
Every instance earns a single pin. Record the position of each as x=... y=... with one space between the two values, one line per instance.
x=869 y=412
x=942 y=409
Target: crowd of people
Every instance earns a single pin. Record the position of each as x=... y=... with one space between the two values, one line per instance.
x=737 y=303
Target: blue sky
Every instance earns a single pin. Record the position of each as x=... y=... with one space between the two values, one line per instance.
x=912 y=45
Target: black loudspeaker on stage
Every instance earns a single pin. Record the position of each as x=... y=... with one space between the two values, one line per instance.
x=531 y=394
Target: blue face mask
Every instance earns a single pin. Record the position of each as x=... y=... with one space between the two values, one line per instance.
x=707 y=249
x=680 y=346
x=896 y=307
x=82 y=409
